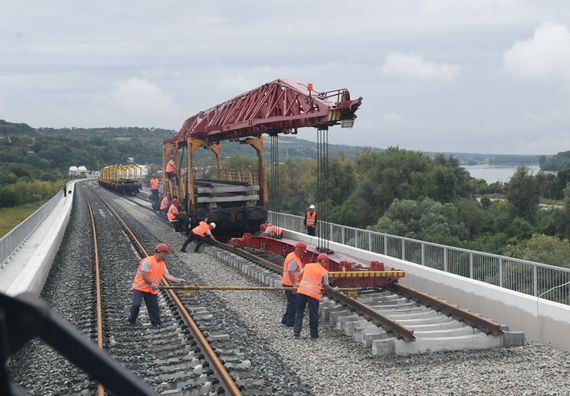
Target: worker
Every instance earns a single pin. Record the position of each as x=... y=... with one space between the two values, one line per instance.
x=178 y=220
x=292 y=267
x=154 y=192
x=65 y=190
x=199 y=234
x=314 y=279
x=171 y=169
x=150 y=272
x=271 y=231
x=311 y=220
x=165 y=203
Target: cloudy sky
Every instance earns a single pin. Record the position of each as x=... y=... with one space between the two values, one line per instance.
x=488 y=76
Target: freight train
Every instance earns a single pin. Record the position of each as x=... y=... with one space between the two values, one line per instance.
x=125 y=179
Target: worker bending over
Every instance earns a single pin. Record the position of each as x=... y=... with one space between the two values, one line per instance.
x=292 y=267
x=315 y=277
x=199 y=234
x=178 y=220
x=150 y=272
x=271 y=231
x=311 y=220
x=165 y=203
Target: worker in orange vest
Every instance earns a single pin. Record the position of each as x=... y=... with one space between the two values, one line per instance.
x=171 y=170
x=311 y=220
x=292 y=267
x=314 y=279
x=165 y=203
x=150 y=272
x=178 y=220
x=271 y=231
x=154 y=192
x=199 y=234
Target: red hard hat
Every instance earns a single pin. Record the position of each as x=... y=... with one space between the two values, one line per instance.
x=301 y=245
x=175 y=201
x=162 y=247
x=324 y=257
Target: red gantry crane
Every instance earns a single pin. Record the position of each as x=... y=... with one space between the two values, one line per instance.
x=238 y=202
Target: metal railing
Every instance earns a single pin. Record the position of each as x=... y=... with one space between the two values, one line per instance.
x=18 y=235
x=537 y=279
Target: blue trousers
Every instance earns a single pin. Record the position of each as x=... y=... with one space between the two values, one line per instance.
x=151 y=302
x=302 y=301
x=289 y=316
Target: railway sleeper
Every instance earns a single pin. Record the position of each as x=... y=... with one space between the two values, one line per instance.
x=433 y=330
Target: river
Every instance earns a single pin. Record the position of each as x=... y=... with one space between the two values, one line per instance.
x=492 y=174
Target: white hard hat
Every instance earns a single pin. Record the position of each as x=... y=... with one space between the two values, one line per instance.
x=312 y=207
x=213 y=225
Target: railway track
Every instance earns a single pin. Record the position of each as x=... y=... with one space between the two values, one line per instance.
x=393 y=320
x=187 y=354
x=398 y=319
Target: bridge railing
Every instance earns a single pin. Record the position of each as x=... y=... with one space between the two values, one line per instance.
x=10 y=242
x=537 y=279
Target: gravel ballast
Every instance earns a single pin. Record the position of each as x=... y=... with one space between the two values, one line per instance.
x=332 y=365
x=335 y=364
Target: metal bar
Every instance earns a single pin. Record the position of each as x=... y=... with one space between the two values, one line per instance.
x=243 y=288
x=100 y=388
x=471 y=265
x=501 y=272
x=423 y=247
x=445 y=259
x=470 y=318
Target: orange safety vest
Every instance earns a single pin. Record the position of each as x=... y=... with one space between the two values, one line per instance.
x=297 y=273
x=156 y=273
x=164 y=203
x=172 y=212
x=171 y=167
x=311 y=218
x=312 y=282
x=275 y=230
x=154 y=184
x=201 y=229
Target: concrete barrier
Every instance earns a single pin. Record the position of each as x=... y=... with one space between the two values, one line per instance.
x=543 y=321
x=29 y=269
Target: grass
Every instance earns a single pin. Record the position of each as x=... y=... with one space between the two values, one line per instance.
x=11 y=217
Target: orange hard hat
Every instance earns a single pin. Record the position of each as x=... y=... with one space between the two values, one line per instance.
x=324 y=257
x=301 y=245
x=162 y=247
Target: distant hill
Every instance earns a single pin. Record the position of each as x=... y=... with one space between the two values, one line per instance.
x=97 y=147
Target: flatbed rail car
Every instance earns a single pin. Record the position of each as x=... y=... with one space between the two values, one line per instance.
x=124 y=179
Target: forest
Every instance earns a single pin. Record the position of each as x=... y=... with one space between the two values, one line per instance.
x=408 y=193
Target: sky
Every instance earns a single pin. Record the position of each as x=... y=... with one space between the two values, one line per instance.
x=436 y=75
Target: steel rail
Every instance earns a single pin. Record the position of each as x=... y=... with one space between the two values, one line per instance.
x=100 y=388
x=391 y=326
x=224 y=376
x=470 y=318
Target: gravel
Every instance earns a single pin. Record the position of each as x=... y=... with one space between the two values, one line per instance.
x=334 y=364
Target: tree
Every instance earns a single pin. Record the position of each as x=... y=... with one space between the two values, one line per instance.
x=543 y=249
x=523 y=192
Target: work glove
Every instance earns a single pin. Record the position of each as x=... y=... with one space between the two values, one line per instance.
x=180 y=280
x=154 y=287
x=335 y=289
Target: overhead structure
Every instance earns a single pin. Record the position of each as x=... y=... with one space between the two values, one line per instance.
x=281 y=106
x=278 y=107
